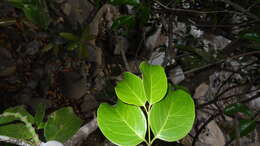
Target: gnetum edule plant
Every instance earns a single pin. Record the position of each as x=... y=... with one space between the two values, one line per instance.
x=146 y=105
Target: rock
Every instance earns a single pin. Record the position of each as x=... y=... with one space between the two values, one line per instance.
x=89 y=103
x=195 y=32
x=201 y=93
x=177 y=75
x=77 y=10
x=157 y=58
x=187 y=141
x=7 y=64
x=214 y=43
x=73 y=85
x=121 y=43
x=254 y=104
x=32 y=48
x=212 y=136
x=108 y=143
x=157 y=39
x=217 y=79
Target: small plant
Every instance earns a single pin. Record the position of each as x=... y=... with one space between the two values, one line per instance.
x=246 y=125
x=16 y=122
x=35 y=10
x=169 y=114
x=78 y=43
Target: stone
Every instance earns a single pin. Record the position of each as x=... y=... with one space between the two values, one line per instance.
x=73 y=85
x=177 y=75
x=7 y=64
x=89 y=103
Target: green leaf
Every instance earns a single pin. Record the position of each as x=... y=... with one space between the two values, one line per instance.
x=122 y=124
x=131 y=90
x=252 y=36
x=37 y=15
x=17 y=3
x=18 y=109
x=86 y=35
x=18 y=131
x=61 y=125
x=172 y=118
x=125 y=2
x=39 y=115
x=82 y=51
x=235 y=108
x=155 y=82
x=48 y=47
x=245 y=127
x=127 y=21
x=69 y=36
x=72 y=46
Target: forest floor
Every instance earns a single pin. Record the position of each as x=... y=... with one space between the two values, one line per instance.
x=42 y=66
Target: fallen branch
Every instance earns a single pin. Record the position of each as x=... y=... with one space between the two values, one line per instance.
x=13 y=141
x=82 y=133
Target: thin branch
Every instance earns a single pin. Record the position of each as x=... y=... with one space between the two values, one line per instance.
x=125 y=59
x=226 y=98
x=241 y=9
x=170 y=40
x=250 y=99
x=215 y=116
x=221 y=61
x=189 y=11
x=204 y=126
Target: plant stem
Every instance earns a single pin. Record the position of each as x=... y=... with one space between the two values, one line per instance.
x=149 y=125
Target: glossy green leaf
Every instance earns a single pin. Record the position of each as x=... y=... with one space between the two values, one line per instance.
x=127 y=21
x=69 y=36
x=155 y=82
x=252 y=36
x=18 y=131
x=245 y=127
x=172 y=118
x=39 y=115
x=131 y=90
x=124 y=2
x=122 y=124
x=61 y=125
x=17 y=109
x=235 y=108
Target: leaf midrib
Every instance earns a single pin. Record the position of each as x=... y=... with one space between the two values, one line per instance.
x=165 y=121
x=128 y=124
x=135 y=93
